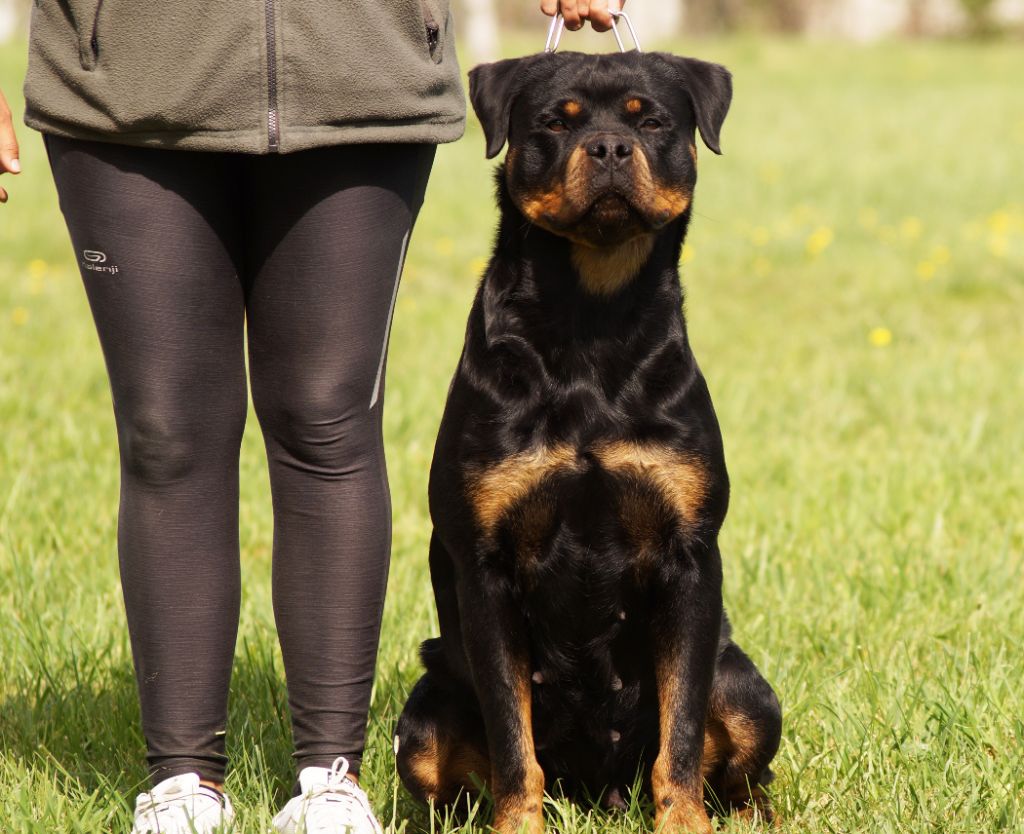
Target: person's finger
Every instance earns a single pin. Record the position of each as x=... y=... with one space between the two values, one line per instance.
x=3 y=196
x=583 y=10
x=8 y=142
x=571 y=14
x=549 y=7
x=9 y=152
x=600 y=19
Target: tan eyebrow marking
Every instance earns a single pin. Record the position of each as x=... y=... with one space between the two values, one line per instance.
x=634 y=105
x=572 y=108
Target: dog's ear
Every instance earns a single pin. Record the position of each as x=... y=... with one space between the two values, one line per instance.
x=492 y=89
x=709 y=87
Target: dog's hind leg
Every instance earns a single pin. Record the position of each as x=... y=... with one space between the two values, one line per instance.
x=440 y=742
x=743 y=733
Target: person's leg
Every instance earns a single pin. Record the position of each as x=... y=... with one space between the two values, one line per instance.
x=155 y=234
x=328 y=230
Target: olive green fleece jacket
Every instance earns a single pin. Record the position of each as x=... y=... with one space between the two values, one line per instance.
x=254 y=76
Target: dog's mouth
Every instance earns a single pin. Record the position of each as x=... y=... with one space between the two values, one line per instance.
x=612 y=216
x=610 y=206
x=599 y=214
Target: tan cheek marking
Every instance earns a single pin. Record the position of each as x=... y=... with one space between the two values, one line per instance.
x=671 y=201
x=681 y=481
x=559 y=202
x=544 y=204
x=634 y=105
x=494 y=490
x=572 y=108
x=661 y=199
x=576 y=176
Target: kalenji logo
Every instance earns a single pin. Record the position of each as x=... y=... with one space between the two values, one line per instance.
x=93 y=259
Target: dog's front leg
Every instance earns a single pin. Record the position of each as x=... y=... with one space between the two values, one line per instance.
x=494 y=634
x=687 y=617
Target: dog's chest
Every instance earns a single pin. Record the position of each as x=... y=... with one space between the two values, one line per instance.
x=580 y=530
x=550 y=500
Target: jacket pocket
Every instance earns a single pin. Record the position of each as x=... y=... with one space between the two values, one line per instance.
x=434 y=32
x=87 y=23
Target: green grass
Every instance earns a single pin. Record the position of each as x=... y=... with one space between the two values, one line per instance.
x=855 y=279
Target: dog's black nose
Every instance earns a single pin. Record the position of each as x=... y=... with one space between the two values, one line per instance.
x=608 y=147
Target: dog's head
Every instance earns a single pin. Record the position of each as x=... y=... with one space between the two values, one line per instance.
x=601 y=147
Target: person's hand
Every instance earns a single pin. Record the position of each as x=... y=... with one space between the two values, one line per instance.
x=576 y=12
x=8 y=144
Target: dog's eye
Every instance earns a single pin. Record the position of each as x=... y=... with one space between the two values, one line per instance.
x=557 y=126
x=650 y=124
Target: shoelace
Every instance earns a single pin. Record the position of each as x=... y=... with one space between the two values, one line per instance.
x=319 y=817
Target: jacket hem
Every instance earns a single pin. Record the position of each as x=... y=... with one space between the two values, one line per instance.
x=254 y=140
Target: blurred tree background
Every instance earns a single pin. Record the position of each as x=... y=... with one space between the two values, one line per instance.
x=482 y=22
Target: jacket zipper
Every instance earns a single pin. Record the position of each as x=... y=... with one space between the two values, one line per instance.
x=273 y=124
x=94 y=39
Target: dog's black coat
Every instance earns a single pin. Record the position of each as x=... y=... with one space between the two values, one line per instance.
x=579 y=483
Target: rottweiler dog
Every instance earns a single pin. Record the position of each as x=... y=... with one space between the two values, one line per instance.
x=578 y=482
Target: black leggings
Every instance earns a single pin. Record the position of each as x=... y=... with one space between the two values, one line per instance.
x=178 y=250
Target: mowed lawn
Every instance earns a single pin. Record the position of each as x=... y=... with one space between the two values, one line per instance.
x=855 y=294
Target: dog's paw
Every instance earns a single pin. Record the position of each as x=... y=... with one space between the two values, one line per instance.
x=682 y=818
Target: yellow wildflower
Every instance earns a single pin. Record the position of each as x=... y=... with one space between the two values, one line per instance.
x=687 y=254
x=19 y=315
x=926 y=270
x=477 y=266
x=37 y=268
x=760 y=236
x=941 y=255
x=444 y=246
x=998 y=245
x=999 y=222
x=880 y=337
x=820 y=240
x=910 y=228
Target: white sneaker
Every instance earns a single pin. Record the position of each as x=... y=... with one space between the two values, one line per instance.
x=329 y=804
x=180 y=805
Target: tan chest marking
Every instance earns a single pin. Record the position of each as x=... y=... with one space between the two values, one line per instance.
x=679 y=479
x=495 y=490
x=605 y=271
